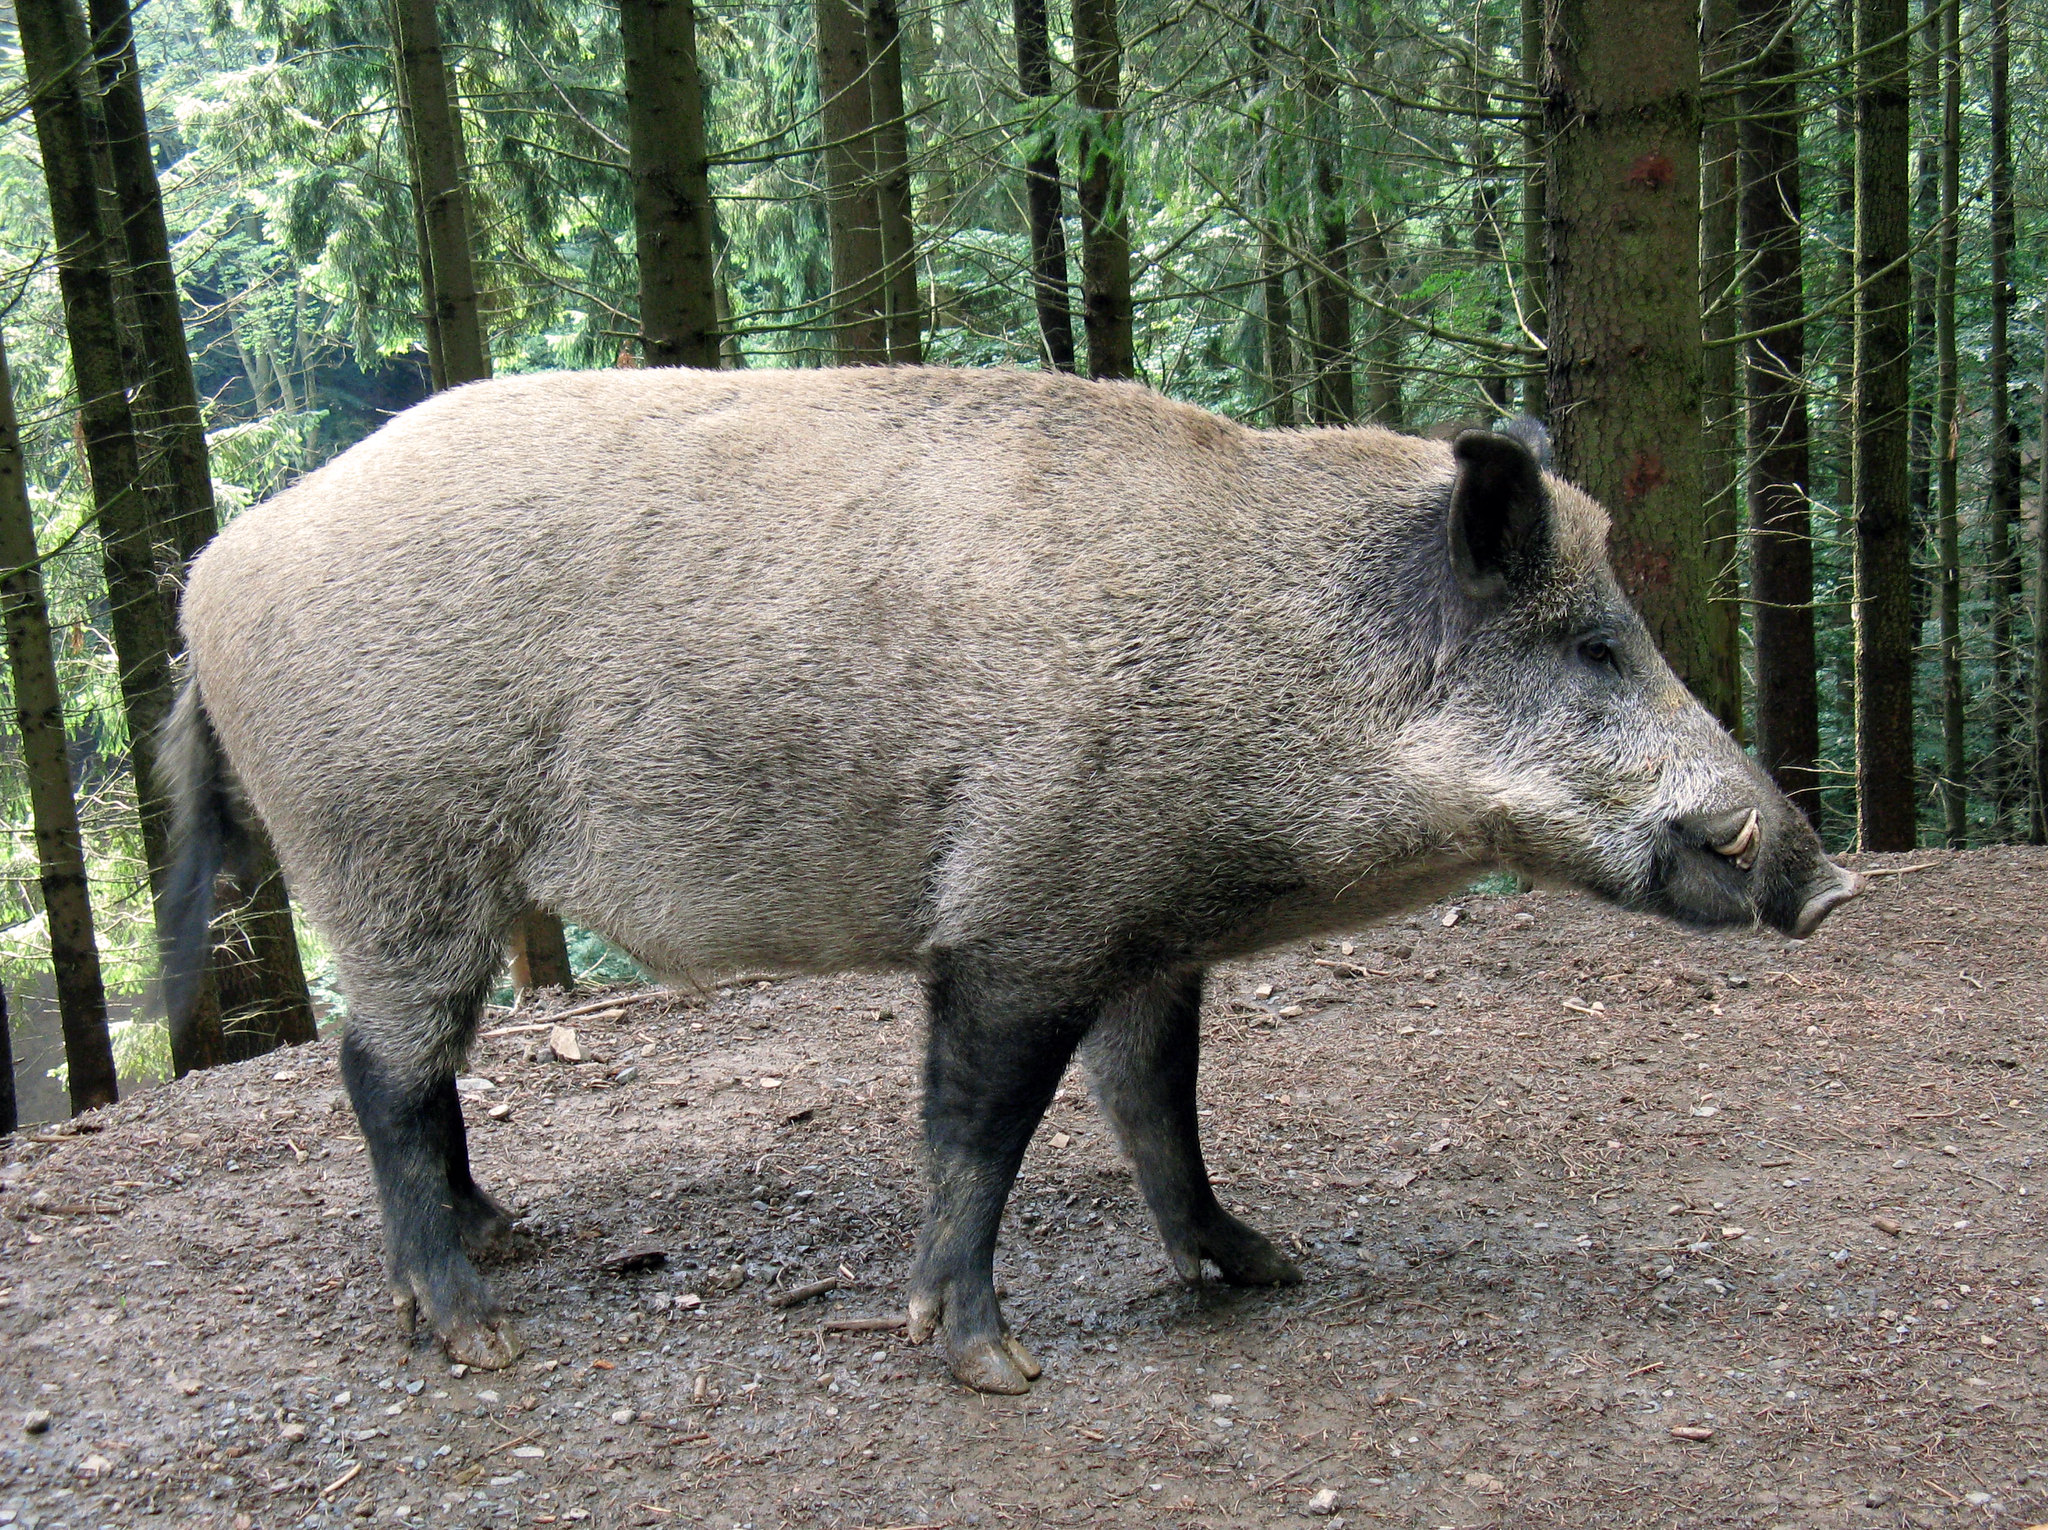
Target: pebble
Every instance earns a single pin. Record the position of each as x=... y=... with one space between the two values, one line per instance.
x=1692 y=1432
x=502 y=1111
x=292 y=1433
x=623 y=1415
x=1325 y=1503
x=1887 y=1225
x=38 y=1422
x=1485 y=1482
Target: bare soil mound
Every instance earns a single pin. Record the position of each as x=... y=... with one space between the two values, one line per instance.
x=1604 y=1223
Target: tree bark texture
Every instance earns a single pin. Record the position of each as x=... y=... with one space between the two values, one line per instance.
x=2002 y=496
x=1721 y=417
x=1621 y=116
x=2037 y=818
x=1333 y=391
x=1955 y=770
x=274 y=1008
x=1042 y=189
x=540 y=954
x=900 y=297
x=672 y=213
x=1383 y=401
x=1535 y=278
x=60 y=849
x=434 y=136
x=1787 y=709
x=1886 y=800
x=128 y=536
x=860 y=319
x=10 y=1111
x=1105 y=215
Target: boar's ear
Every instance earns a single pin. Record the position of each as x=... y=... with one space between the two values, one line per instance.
x=1500 y=514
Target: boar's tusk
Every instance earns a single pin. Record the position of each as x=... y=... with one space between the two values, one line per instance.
x=1742 y=848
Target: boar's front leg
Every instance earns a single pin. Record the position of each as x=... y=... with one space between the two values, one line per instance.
x=1142 y=1055
x=398 y=1059
x=995 y=1053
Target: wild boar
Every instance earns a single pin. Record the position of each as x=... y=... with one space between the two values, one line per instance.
x=1053 y=692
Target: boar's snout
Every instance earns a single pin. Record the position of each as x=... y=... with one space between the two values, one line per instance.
x=1759 y=860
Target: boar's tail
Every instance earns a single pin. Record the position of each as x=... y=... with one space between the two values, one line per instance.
x=208 y=835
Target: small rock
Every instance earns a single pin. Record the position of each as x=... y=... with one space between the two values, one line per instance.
x=1732 y=1233
x=1326 y=1502
x=1878 y=1497
x=502 y=1111
x=627 y=1074
x=1060 y=1139
x=1220 y=1400
x=1691 y=1432
x=94 y=1467
x=562 y=1042
x=291 y=1434
x=623 y=1415
x=1452 y=916
x=1349 y=948
x=474 y=1085
x=38 y=1422
x=1887 y=1225
x=1263 y=991
x=1485 y=1482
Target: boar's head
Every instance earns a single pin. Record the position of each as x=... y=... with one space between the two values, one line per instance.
x=1595 y=765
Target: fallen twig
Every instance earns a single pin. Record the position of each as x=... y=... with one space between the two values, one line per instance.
x=796 y=1294
x=343 y=1480
x=1899 y=871
x=864 y=1325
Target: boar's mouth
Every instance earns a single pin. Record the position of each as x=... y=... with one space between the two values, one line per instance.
x=1724 y=868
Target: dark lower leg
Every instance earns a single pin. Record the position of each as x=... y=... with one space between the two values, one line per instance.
x=1143 y=1055
x=480 y=1219
x=404 y=1122
x=992 y=1063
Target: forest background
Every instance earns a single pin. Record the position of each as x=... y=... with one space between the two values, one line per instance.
x=1772 y=271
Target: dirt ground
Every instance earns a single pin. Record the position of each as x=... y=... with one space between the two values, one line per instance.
x=1572 y=1189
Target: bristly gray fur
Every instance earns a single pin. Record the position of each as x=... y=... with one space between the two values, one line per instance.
x=1053 y=691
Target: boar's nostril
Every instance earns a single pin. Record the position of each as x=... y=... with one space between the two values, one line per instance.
x=1844 y=886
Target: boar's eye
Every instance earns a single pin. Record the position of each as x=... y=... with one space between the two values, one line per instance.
x=1598 y=653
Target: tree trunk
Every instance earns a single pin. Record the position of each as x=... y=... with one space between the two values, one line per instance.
x=1333 y=392
x=1105 y=214
x=1949 y=593
x=1721 y=417
x=433 y=131
x=1781 y=547
x=672 y=215
x=48 y=31
x=274 y=1008
x=434 y=135
x=1535 y=261
x=2037 y=819
x=1885 y=795
x=60 y=851
x=2002 y=505
x=1488 y=244
x=1042 y=193
x=10 y=1112
x=860 y=319
x=905 y=309
x=1383 y=403
x=1621 y=103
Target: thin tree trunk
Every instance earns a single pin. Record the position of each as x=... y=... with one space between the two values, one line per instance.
x=2002 y=562
x=1105 y=214
x=2037 y=818
x=433 y=130
x=140 y=620
x=1886 y=800
x=860 y=321
x=1781 y=544
x=60 y=850
x=434 y=135
x=1383 y=403
x=1721 y=419
x=1926 y=221
x=1487 y=241
x=1333 y=394
x=672 y=213
x=263 y=1003
x=1042 y=190
x=1535 y=261
x=1621 y=103
x=905 y=309
x=1949 y=595
x=10 y=1112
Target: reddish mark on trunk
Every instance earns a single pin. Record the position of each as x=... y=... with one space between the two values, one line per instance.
x=1642 y=569
x=1653 y=172
x=1644 y=474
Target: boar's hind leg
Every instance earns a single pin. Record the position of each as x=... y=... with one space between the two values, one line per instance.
x=398 y=1059
x=1142 y=1055
x=994 y=1056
